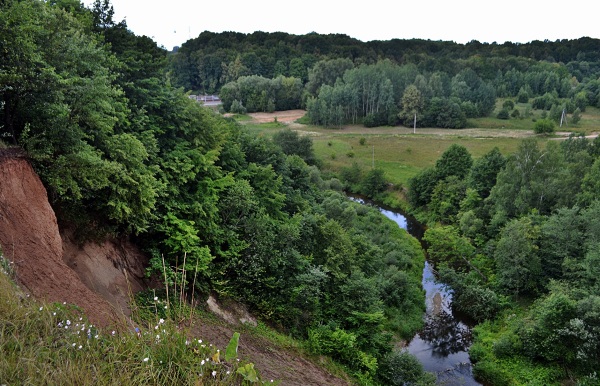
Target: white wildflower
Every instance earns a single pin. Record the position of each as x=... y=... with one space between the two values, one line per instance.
x=146 y=359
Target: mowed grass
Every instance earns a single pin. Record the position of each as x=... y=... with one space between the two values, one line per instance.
x=402 y=154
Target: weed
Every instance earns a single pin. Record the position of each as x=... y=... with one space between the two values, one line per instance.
x=55 y=344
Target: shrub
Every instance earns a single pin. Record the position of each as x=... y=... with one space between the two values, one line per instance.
x=576 y=117
x=544 y=126
x=401 y=368
x=489 y=373
x=508 y=105
x=237 y=107
x=503 y=114
x=362 y=141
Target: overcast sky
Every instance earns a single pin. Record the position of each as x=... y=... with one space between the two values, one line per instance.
x=172 y=22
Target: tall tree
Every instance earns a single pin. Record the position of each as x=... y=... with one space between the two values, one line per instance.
x=412 y=104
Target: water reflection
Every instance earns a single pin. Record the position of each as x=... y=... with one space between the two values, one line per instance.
x=442 y=346
x=445 y=334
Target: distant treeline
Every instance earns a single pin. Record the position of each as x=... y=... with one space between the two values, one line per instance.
x=340 y=80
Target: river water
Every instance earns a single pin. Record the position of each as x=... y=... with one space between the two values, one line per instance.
x=442 y=346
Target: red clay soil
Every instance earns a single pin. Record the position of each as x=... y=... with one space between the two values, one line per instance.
x=30 y=238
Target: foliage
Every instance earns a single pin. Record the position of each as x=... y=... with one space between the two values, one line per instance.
x=455 y=161
x=373 y=183
x=54 y=342
x=544 y=126
x=400 y=368
x=293 y=143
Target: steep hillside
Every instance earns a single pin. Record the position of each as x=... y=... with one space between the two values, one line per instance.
x=30 y=238
x=101 y=277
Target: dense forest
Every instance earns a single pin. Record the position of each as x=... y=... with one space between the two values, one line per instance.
x=517 y=239
x=342 y=80
x=123 y=153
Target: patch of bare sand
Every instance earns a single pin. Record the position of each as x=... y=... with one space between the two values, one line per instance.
x=287 y=116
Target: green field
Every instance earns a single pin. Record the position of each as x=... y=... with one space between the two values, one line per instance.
x=402 y=154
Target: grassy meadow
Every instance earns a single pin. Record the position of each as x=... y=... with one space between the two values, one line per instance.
x=402 y=153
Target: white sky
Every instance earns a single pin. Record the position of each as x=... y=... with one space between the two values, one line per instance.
x=172 y=22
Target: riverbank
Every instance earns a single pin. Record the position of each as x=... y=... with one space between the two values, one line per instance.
x=442 y=345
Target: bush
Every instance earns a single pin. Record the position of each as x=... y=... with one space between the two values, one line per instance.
x=373 y=183
x=401 y=368
x=237 y=107
x=340 y=345
x=489 y=373
x=523 y=96
x=544 y=126
x=507 y=345
x=576 y=117
x=503 y=114
x=508 y=105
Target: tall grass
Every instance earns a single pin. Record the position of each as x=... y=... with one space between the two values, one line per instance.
x=54 y=344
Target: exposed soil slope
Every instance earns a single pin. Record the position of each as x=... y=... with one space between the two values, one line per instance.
x=30 y=238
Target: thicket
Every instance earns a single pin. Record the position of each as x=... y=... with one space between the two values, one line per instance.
x=122 y=152
x=517 y=239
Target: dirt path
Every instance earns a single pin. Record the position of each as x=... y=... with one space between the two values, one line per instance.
x=290 y=117
x=272 y=362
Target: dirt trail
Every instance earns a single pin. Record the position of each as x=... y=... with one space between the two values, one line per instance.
x=272 y=362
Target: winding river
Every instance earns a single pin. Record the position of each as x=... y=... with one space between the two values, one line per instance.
x=442 y=346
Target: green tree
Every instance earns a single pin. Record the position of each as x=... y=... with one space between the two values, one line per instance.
x=518 y=263
x=544 y=126
x=412 y=104
x=455 y=161
x=576 y=117
x=483 y=174
x=373 y=183
x=445 y=245
x=528 y=181
x=293 y=143
x=446 y=198
x=400 y=368
x=421 y=187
